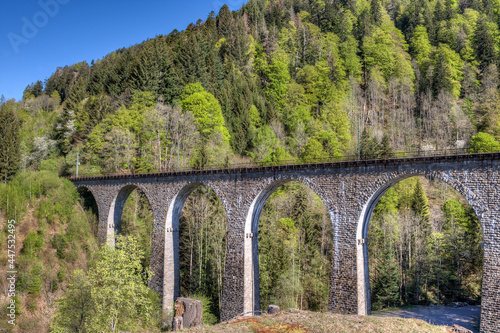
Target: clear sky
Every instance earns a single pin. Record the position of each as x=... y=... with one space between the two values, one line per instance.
x=36 y=37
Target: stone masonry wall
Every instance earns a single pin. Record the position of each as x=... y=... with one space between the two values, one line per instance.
x=349 y=193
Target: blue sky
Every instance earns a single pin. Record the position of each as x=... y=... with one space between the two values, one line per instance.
x=38 y=36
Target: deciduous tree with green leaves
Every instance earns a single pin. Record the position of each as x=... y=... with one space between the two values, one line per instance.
x=113 y=296
x=205 y=109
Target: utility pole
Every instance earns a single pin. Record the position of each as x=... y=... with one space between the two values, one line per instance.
x=77 y=162
x=359 y=146
x=178 y=152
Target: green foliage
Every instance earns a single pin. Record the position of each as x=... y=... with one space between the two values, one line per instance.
x=9 y=141
x=264 y=142
x=369 y=146
x=486 y=41
x=241 y=109
x=339 y=129
x=270 y=82
x=59 y=195
x=206 y=111
x=419 y=258
x=60 y=244
x=49 y=165
x=484 y=142
x=74 y=308
x=33 y=243
x=386 y=50
x=278 y=156
x=421 y=46
x=137 y=221
x=278 y=77
x=488 y=110
x=202 y=249
x=448 y=72
x=388 y=202
x=113 y=295
x=31 y=275
x=420 y=203
x=339 y=63
x=385 y=290
x=313 y=152
x=294 y=247
x=455 y=210
x=54 y=222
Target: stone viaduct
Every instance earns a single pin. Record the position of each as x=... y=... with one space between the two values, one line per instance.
x=349 y=191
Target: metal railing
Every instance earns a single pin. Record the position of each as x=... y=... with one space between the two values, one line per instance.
x=417 y=155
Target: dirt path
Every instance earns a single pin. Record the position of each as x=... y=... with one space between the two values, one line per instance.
x=467 y=316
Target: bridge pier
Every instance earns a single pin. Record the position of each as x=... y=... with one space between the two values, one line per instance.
x=490 y=300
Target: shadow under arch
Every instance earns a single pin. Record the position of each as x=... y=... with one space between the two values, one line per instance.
x=251 y=283
x=89 y=203
x=363 y=285
x=171 y=268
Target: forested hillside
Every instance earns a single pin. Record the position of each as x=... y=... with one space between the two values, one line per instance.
x=273 y=82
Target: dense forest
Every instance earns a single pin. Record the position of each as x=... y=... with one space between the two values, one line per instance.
x=424 y=247
x=273 y=82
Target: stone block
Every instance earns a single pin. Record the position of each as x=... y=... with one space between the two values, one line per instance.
x=191 y=312
x=177 y=324
x=273 y=309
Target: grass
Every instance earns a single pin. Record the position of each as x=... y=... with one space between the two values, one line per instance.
x=295 y=321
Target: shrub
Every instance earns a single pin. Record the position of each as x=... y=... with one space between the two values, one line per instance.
x=484 y=142
x=60 y=244
x=33 y=243
x=50 y=165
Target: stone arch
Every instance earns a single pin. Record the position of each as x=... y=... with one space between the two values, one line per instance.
x=379 y=188
x=116 y=209
x=251 y=284
x=171 y=268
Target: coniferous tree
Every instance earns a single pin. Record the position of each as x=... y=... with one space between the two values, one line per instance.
x=37 y=88
x=225 y=22
x=385 y=147
x=9 y=142
x=420 y=203
x=486 y=51
x=369 y=147
x=376 y=13
x=236 y=103
x=76 y=94
x=152 y=70
x=385 y=290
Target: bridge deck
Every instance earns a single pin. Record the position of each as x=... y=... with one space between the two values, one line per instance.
x=342 y=163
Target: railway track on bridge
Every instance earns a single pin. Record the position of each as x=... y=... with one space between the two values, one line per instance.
x=338 y=162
